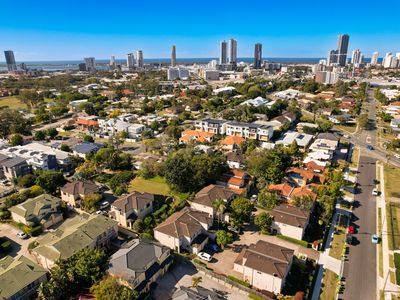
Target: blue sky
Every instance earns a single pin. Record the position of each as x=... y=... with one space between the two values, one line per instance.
x=56 y=30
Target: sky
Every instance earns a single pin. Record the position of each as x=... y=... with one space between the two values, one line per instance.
x=73 y=29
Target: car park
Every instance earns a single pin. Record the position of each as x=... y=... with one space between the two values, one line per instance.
x=204 y=256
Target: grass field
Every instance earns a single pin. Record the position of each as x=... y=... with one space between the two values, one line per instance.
x=12 y=102
x=347 y=128
x=392 y=181
x=156 y=185
x=392 y=192
x=354 y=157
x=338 y=241
x=329 y=284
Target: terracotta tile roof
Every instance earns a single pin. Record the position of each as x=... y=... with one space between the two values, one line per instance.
x=305 y=174
x=232 y=140
x=80 y=188
x=266 y=258
x=212 y=192
x=135 y=200
x=304 y=191
x=86 y=122
x=313 y=166
x=284 y=189
x=200 y=136
x=184 y=223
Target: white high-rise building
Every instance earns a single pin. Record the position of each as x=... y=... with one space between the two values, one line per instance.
x=387 y=61
x=374 y=58
x=139 y=58
x=130 y=61
x=113 y=64
x=178 y=73
x=232 y=58
x=90 y=63
x=356 y=57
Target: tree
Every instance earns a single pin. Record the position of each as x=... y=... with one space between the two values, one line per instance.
x=267 y=199
x=110 y=289
x=50 y=180
x=39 y=135
x=88 y=138
x=220 y=206
x=304 y=202
x=264 y=222
x=52 y=132
x=90 y=202
x=363 y=120
x=196 y=281
x=12 y=121
x=224 y=238
x=242 y=209
x=65 y=148
x=30 y=97
x=26 y=181
x=16 y=140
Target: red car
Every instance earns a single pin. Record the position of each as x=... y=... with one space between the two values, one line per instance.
x=351 y=230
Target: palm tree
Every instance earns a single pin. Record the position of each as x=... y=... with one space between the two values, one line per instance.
x=220 y=206
x=196 y=281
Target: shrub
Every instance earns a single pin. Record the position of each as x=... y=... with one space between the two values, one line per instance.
x=255 y=297
x=293 y=240
x=397 y=260
x=237 y=280
x=35 y=231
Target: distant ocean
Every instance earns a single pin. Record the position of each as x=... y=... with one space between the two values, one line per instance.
x=63 y=65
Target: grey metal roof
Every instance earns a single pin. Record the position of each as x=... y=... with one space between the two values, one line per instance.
x=12 y=162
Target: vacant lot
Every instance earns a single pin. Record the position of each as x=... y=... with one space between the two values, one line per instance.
x=156 y=185
x=12 y=102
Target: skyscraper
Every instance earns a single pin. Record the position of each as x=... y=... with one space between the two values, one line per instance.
x=356 y=57
x=10 y=60
x=112 y=62
x=257 y=56
x=232 y=59
x=90 y=63
x=374 y=58
x=332 y=57
x=173 y=56
x=222 y=53
x=343 y=45
x=139 y=58
x=130 y=61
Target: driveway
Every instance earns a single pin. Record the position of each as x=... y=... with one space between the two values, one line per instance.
x=181 y=274
x=19 y=246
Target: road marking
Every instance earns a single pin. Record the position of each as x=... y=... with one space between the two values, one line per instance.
x=368 y=140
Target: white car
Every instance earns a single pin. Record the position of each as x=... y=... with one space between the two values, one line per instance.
x=375 y=192
x=204 y=256
x=397 y=156
x=22 y=235
x=104 y=205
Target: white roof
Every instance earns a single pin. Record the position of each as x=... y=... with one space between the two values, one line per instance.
x=259 y=101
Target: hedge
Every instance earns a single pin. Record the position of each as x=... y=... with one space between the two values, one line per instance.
x=293 y=240
x=255 y=297
x=237 y=280
x=397 y=260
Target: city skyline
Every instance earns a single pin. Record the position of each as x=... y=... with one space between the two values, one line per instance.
x=49 y=32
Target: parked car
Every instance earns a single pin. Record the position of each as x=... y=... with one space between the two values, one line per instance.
x=397 y=156
x=104 y=205
x=375 y=192
x=234 y=229
x=253 y=197
x=369 y=147
x=375 y=239
x=101 y=212
x=22 y=235
x=212 y=247
x=204 y=256
x=375 y=181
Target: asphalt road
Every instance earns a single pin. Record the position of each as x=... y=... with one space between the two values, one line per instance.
x=360 y=269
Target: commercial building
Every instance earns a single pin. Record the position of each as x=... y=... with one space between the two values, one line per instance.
x=178 y=73
x=90 y=63
x=223 y=53
x=257 y=56
x=374 y=58
x=173 y=56
x=130 y=61
x=232 y=57
x=326 y=77
x=343 y=45
x=10 y=61
x=208 y=74
x=356 y=57
x=139 y=58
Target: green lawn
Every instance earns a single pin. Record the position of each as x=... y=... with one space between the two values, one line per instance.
x=347 y=128
x=392 y=191
x=380 y=244
x=329 y=285
x=354 y=157
x=392 y=181
x=156 y=185
x=12 y=102
x=339 y=238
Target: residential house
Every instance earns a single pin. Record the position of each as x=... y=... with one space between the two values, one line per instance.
x=189 y=136
x=237 y=180
x=20 y=278
x=301 y=125
x=304 y=191
x=256 y=102
x=249 y=130
x=231 y=143
x=264 y=265
x=302 y=140
x=300 y=176
x=284 y=190
x=235 y=160
x=73 y=192
x=42 y=210
x=205 y=198
x=111 y=127
x=185 y=230
x=87 y=125
x=126 y=209
x=139 y=263
x=314 y=167
x=395 y=124
x=15 y=167
x=76 y=233
x=215 y=126
x=289 y=220
x=84 y=148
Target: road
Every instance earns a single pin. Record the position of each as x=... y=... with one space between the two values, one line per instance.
x=360 y=269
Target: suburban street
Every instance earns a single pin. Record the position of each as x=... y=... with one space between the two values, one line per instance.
x=360 y=268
